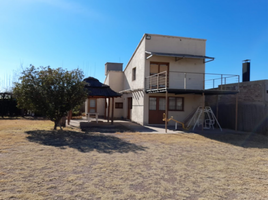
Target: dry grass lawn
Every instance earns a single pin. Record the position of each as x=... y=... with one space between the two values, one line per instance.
x=38 y=163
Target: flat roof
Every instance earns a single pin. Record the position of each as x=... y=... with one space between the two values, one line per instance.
x=174 y=36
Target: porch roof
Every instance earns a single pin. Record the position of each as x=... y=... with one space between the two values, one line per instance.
x=178 y=56
x=97 y=89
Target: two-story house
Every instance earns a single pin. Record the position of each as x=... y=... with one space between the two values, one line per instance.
x=165 y=74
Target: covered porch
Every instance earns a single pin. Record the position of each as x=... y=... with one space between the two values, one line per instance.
x=188 y=83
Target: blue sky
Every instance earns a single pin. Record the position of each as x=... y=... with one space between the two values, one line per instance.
x=87 y=33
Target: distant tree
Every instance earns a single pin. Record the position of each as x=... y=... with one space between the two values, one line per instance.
x=51 y=92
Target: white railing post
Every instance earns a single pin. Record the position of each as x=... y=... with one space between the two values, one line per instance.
x=184 y=82
x=221 y=81
x=161 y=81
x=238 y=82
x=157 y=81
x=166 y=81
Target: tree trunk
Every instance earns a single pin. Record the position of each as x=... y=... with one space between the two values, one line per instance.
x=55 y=125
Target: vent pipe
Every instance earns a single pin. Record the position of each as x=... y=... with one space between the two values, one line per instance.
x=246 y=70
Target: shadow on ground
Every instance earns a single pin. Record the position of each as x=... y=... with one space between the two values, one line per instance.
x=22 y=118
x=106 y=127
x=103 y=127
x=242 y=139
x=83 y=141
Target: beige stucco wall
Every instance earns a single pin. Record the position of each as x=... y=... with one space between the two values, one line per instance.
x=166 y=44
x=101 y=106
x=194 y=80
x=179 y=45
x=137 y=60
x=191 y=103
x=173 y=44
x=115 y=80
x=195 y=67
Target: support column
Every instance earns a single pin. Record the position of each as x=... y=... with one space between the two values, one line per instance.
x=70 y=113
x=112 y=121
x=236 y=110
x=166 y=111
x=217 y=106
x=109 y=105
x=203 y=108
x=105 y=107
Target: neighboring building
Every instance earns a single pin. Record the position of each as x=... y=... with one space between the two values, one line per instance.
x=252 y=107
x=163 y=66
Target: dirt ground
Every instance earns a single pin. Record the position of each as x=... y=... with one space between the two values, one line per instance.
x=39 y=163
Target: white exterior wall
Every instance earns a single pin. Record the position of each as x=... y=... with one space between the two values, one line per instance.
x=194 y=80
x=164 y=44
x=138 y=61
x=115 y=80
x=101 y=106
x=191 y=103
x=177 y=45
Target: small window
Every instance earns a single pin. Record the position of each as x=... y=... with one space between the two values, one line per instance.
x=119 y=105
x=152 y=103
x=176 y=103
x=134 y=74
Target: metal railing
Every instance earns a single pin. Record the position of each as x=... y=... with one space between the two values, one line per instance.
x=191 y=81
x=157 y=81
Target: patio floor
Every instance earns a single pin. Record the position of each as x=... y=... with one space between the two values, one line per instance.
x=128 y=126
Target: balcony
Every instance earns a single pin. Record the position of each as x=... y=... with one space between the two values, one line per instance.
x=188 y=82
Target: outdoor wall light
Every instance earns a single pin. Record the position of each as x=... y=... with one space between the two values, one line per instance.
x=148 y=37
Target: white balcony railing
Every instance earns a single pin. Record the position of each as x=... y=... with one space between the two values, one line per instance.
x=190 y=81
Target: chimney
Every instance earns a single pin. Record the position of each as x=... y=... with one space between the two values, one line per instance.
x=246 y=70
x=109 y=66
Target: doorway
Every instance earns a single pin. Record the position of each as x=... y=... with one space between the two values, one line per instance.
x=157 y=107
x=129 y=107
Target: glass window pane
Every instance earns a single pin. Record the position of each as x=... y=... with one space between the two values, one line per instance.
x=179 y=104
x=153 y=69
x=92 y=110
x=152 y=103
x=92 y=103
x=134 y=74
x=162 y=104
x=172 y=103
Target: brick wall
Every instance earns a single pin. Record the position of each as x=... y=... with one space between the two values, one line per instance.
x=252 y=107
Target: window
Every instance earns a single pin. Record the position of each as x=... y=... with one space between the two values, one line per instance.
x=176 y=103
x=92 y=105
x=119 y=105
x=134 y=74
x=158 y=81
x=156 y=68
x=152 y=103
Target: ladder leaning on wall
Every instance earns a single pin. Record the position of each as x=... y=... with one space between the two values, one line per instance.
x=205 y=117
